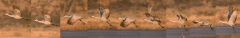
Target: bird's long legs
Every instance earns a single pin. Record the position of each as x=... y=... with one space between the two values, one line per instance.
x=211 y=27
x=234 y=31
x=109 y=23
x=82 y=21
x=160 y=25
x=185 y=28
x=135 y=24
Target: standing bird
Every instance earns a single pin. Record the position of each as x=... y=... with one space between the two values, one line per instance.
x=46 y=19
x=232 y=16
x=104 y=15
x=126 y=21
x=182 y=20
x=17 y=13
x=153 y=19
x=203 y=23
x=73 y=18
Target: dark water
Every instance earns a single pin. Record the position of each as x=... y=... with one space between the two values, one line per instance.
x=227 y=32
x=153 y=34
x=194 y=32
x=114 y=34
x=177 y=33
x=74 y=34
x=202 y=32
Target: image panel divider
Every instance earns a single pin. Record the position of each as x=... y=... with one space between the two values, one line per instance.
x=15 y=19
x=178 y=17
x=227 y=12
x=204 y=19
x=74 y=18
x=45 y=19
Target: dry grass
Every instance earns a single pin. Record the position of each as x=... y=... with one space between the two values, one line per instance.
x=53 y=32
x=208 y=10
x=15 y=32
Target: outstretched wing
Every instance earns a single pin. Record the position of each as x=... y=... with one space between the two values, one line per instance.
x=229 y=14
x=122 y=23
x=71 y=20
x=17 y=12
x=149 y=16
x=181 y=17
x=106 y=13
x=48 y=18
x=185 y=19
x=101 y=10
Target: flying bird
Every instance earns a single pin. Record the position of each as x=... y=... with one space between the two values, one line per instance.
x=232 y=17
x=182 y=20
x=127 y=21
x=17 y=13
x=153 y=19
x=46 y=19
x=73 y=18
x=203 y=23
x=104 y=15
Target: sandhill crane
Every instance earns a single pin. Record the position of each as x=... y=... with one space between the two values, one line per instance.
x=182 y=20
x=203 y=23
x=73 y=18
x=104 y=15
x=126 y=21
x=153 y=19
x=17 y=13
x=46 y=19
x=232 y=16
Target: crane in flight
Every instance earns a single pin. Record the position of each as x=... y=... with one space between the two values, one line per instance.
x=46 y=19
x=17 y=13
x=232 y=17
x=73 y=18
x=182 y=20
x=153 y=19
x=104 y=15
x=203 y=23
x=127 y=21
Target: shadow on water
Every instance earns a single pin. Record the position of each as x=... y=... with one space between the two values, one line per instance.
x=177 y=33
x=226 y=32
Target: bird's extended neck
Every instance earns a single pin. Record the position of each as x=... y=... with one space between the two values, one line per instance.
x=121 y=18
x=14 y=16
x=44 y=22
x=67 y=16
x=39 y=21
x=173 y=20
x=96 y=17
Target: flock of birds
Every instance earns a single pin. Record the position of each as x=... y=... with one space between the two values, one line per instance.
x=126 y=21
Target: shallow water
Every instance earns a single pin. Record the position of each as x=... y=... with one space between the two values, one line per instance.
x=194 y=32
